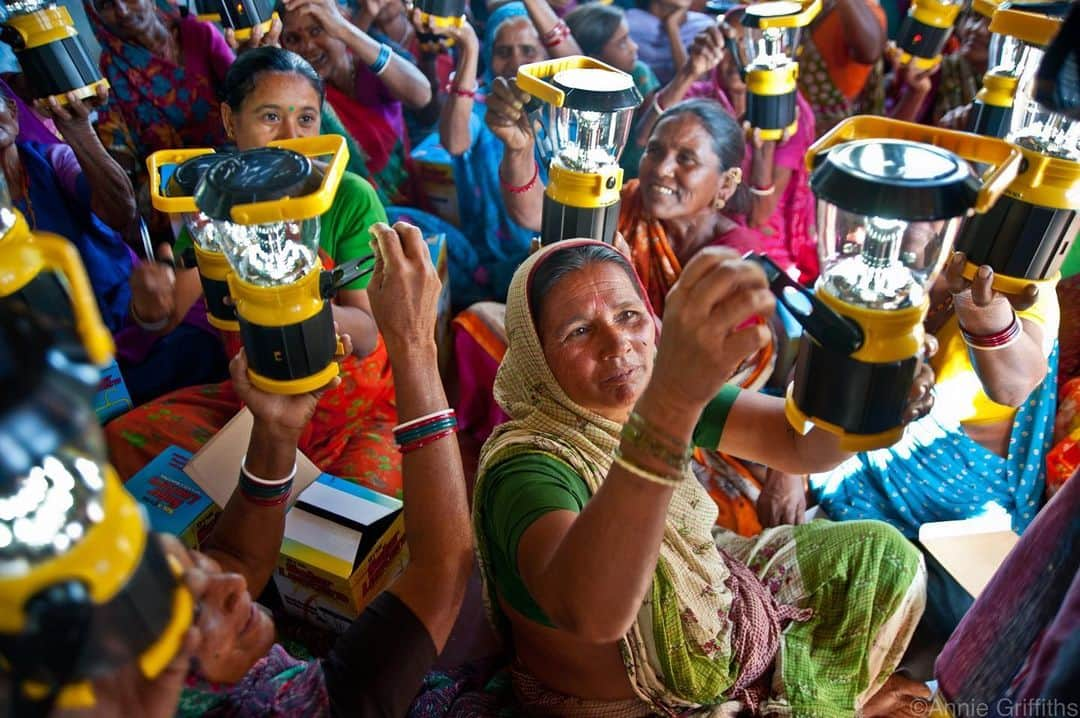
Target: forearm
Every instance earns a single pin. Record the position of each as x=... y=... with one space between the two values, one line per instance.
x=544 y=20
x=909 y=106
x=457 y=112
x=430 y=113
x=358 y=324
x=111 y=195
x=402 y=78
x=1009 y=375
x=247 y=536
x=763 y=175
x=603 y=567
x=667 y=96
x=517 y=169
x=437 y=528
x=863 y=34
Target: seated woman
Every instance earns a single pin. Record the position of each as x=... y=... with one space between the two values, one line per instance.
x=688 y=195
x=366 y=83
x=376 y=667
x=662 y=30
x=76 y=190
x=781 y=204
x=497 y=244
x=596 y=545
x=839 y=74
x=272 y=94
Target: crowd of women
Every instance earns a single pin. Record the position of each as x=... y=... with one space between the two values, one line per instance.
x=639 y=504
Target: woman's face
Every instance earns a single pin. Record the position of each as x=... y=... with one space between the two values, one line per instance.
x=516 y=44
x=306 y=36
x=680 y=174
x=129 y=20
x=621 y=51
x=281 y=106
x=236 y=631
x=598 y=338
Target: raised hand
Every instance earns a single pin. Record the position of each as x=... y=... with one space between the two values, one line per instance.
x=706 y=51
x=706 y=336
x=506 y=116
x=404 y=289
x=259 y=37
x=979 y=307
x=75 y=112
x=326 y=12
x=284 y=415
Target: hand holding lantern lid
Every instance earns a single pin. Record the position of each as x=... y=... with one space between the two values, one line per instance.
x=766 y=58
x=177 y=196
x=890 y=198
x=49 y=49
x=1026 y=236
x=45 y=272
x=84 y=589
x=265 y=204
x=589 y=112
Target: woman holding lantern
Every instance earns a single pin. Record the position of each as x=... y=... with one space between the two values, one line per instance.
x=596 y=544
x=275 y=94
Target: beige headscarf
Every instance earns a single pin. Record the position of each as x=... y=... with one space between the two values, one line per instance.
x=715 y=656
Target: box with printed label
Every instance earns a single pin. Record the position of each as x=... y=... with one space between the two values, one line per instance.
x=112 y=398
x=343 y=545
x=174 y=503
x=436 y=170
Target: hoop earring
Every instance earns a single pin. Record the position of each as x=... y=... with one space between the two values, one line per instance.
x=719 y=203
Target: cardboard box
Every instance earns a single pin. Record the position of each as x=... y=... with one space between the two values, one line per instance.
x=971 y=550
x=216 y=466
x=174 y=503
x=343 y=545
x=112 y=398
x=436 y=170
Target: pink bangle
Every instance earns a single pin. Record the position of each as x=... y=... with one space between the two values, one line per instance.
x=525 y=187
x=553 y=37
x=998 y=340
x=426 y=441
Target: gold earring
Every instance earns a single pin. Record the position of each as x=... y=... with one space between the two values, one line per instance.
x=718 y=203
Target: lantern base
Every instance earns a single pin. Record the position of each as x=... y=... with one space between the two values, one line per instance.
x=293 y=358
x=773 y=115
x=53 y=67
x=1019 y=239
x=921 y=43
x=562 y=221
x=990 y=120
x=862 y=402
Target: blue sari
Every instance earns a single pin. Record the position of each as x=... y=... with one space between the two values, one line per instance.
x=937 y=473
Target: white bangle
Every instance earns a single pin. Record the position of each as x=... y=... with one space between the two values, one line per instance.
x=156 y=326
x=762 y=192
x=266 y=482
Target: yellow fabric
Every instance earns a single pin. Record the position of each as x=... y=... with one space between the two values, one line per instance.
x=956 y=378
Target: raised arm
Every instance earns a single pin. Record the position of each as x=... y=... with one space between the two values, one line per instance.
x=864 y=32
x=522 y=191
x=552 y=29
x=247 y=537
x=404 y=294
x=1008 y=373
x=402 y=78
x=590 y=571
x=111 y=195
x=457 y=111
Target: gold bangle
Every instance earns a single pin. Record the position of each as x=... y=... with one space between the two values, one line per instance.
x=650 y=476
x=640 y=433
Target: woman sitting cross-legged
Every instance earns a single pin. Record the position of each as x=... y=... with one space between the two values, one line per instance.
x=597 y=546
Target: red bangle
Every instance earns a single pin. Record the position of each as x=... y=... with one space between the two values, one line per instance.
x=553 y=37
x=426 y=441
x=525 y=187
x=997 y=340
x=452 y=89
